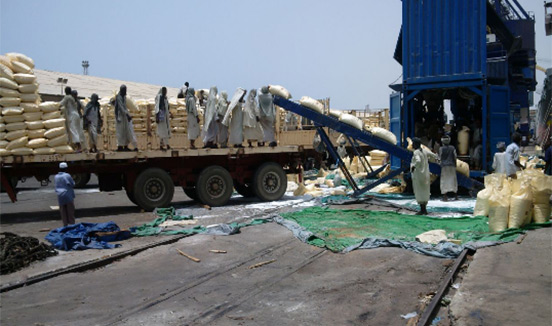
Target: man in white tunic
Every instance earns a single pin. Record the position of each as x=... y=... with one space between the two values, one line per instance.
x=193 y=117
x=251 y=127
x=73 y=120
x=222 y=107
x=234 y=118
x=512 y=156
x=80 y=110
x=124 y=127
x=268 y=116
x=210 y=120
x=419 y=167
x=499 y=160
x=162 y=118
x=93 y=122
x=447 y=156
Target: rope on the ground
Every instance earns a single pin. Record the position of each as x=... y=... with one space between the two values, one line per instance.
x=17 y=252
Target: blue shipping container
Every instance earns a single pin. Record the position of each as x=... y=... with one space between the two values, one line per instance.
x=443 y=40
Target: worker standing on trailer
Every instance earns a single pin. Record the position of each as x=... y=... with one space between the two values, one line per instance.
x=193 y=117
x=499 y=159
x=124 y=128
x=512 y=156
x=66 y=195
x=183 y=90
x=234 y=118
x=447 y=156
x=162 y=118
x=419 y=167
x=268 y=116
x=222 y=107
x=93 y=122
x=72 y=119
x=210 y=120
x=251 y=127
x=80 y=110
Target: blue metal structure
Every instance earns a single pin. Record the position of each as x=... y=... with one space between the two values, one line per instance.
x=397 y=152
x=477 y=54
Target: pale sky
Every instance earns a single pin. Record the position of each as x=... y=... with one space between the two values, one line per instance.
x=320 y=48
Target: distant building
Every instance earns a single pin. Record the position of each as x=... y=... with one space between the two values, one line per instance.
x=51 y=90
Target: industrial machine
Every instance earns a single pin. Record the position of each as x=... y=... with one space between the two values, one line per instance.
x=475 y=58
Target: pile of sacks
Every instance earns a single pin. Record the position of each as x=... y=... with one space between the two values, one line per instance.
x=177 y=107
x=513 y=203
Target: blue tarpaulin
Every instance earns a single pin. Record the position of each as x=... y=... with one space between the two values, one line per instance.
x=84 y=236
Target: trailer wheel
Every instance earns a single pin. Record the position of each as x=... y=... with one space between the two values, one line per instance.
x=270 y=182
x=246 y=190
x=214 y=186
x=191 y=192
x=153 y=188
x=81 y=179
x=130 y=195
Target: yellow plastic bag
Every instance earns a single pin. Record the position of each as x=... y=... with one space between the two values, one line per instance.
x=521 y=207
x=499 y=208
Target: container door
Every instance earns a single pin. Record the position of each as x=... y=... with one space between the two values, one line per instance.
x=395 y=124
x=499 y=117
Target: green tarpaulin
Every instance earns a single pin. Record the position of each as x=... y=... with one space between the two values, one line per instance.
x=338 y=229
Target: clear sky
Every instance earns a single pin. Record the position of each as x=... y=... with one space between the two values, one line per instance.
x=320 y=48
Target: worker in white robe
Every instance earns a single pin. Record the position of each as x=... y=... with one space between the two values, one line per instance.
x=419 y=167
x=499 y=159
x=222 y=130
x=251 y=116
x=80 y=110
x=93 y=122
x=234 y=118
x=268 y=116
x=162 y=118
x=193 y=117
x=210 y=120
x=73 y=120
x=124 y=127
x=447 y=157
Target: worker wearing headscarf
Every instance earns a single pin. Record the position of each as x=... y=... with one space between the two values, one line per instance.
x=222 y=107
x=499 y=159
x=80 y=110
x=419 y=167
x=234 y=118
x=93 y=122
x=268 y=116
x=72 y=119
x=210 y=120
x=162 y=118
x=251 y=115
x=124 y=127
x=447 y=156
x=193 y=117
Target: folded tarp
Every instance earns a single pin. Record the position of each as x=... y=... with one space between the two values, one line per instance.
x=87 y=236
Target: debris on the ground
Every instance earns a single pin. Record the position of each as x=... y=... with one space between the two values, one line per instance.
x=409 y=315
x=262 y=264
x=445 y=301
x=433 y=236
x=456 y=286
x=216 y=251
x=436 y=321
x=197 y=260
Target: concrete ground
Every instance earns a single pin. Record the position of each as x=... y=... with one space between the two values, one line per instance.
x=510 y=284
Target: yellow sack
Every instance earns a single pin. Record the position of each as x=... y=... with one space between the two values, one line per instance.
x=499 y=208
x=8 y=83
x=7 y=92
x=65 y=149
x=28 y=88
x=300 y=191
x=37 y=143
x=14 y=118
x=49 y=106
x=37 y=133
x=24 y=78
x=29 y=107
x=6 y=72
x=4 y=152
x=31 y=97
x=19 y=142
x=20 y=57
x=9 y=101
x=16 y=126
x=482 y=202
x=33 y=125
x=13 y=135
x=21 y=68
x=54 y=132
x=3 y=143
x=521 y=207
x=51 y=115
x=58 y=141
x=32 y=116
x=44 y=151
x=54 y=123
x=21 y=151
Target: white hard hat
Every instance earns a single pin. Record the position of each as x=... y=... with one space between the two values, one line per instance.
x=63 y=165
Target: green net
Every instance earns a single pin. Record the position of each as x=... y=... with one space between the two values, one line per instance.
x=338 y=229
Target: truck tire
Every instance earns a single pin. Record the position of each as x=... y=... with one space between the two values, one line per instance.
x=246 y=190
x=130 y=195
x=153 y=188
x=269 y=182
x=214 y=186
x=191 y=192
x=81 y=179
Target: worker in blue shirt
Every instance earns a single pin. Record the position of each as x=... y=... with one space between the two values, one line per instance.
x=64 y=189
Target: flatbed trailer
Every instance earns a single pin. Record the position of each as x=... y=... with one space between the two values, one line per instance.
x=149 y=177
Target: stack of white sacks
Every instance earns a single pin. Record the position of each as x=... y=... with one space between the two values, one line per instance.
x=27 y=126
